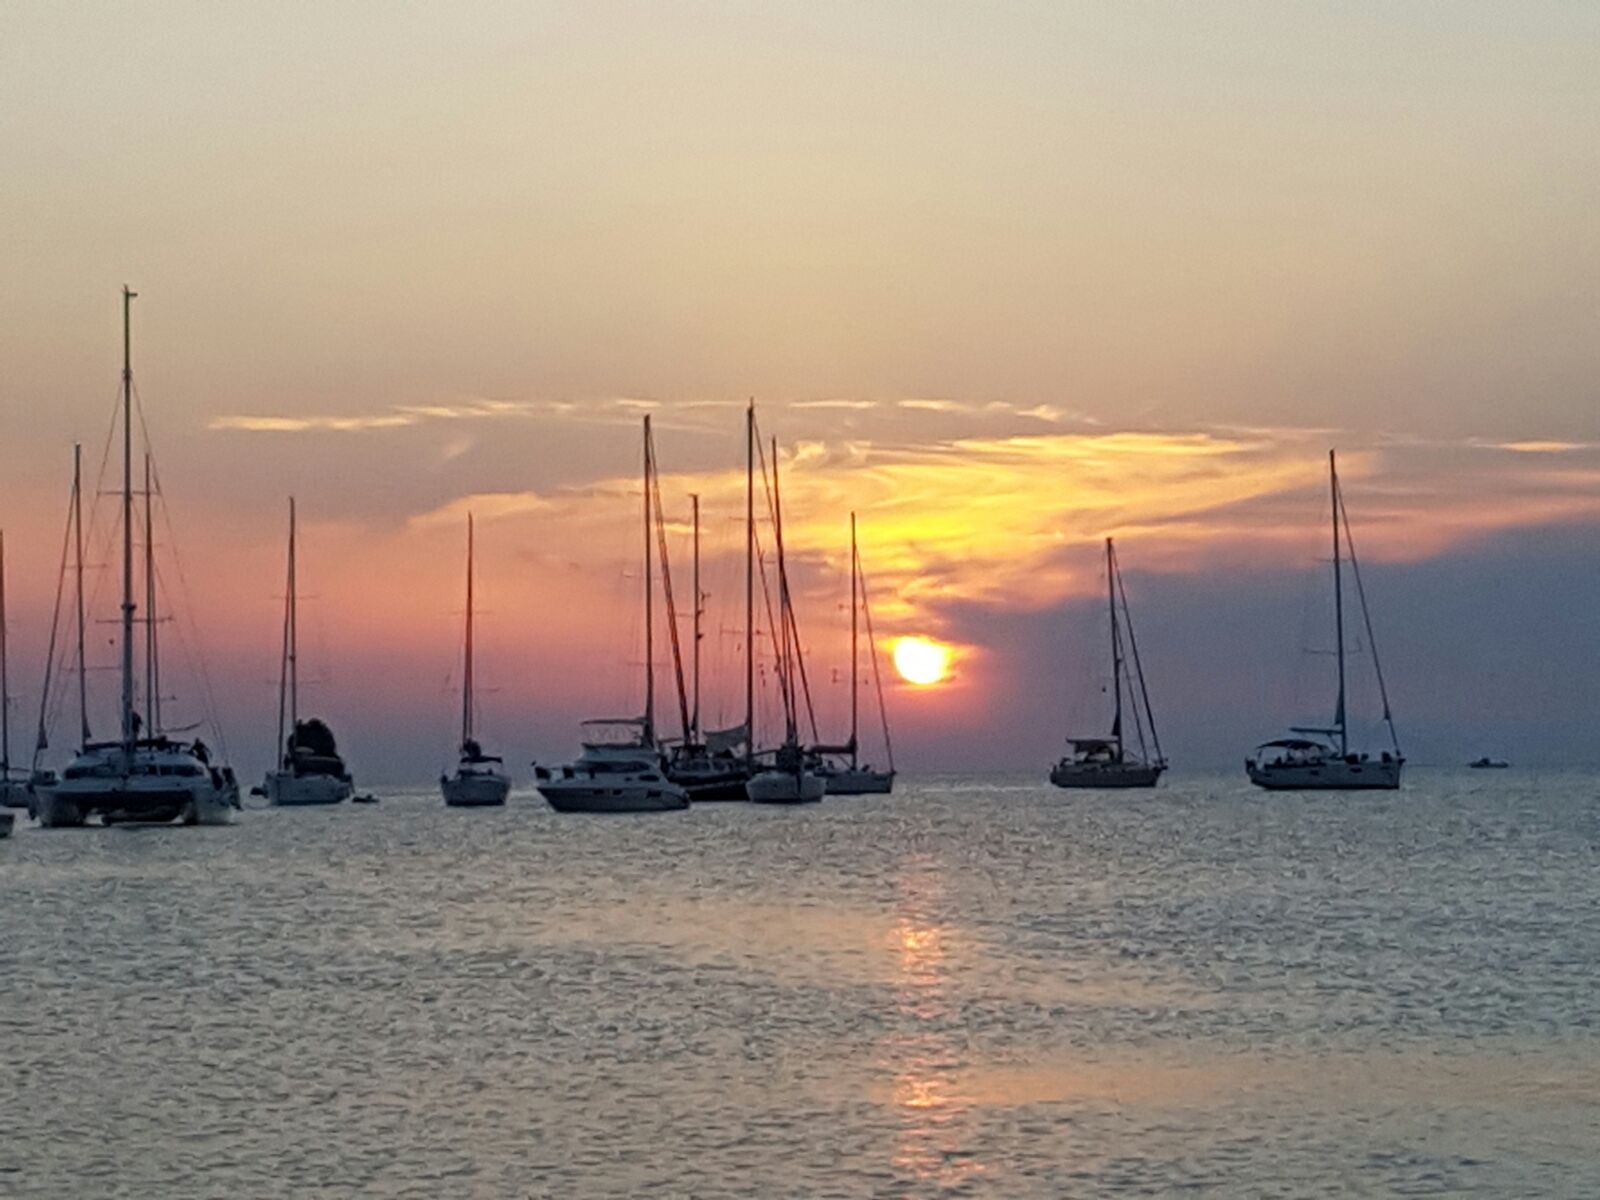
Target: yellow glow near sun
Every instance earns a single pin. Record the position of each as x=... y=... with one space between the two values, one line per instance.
x=920 y=660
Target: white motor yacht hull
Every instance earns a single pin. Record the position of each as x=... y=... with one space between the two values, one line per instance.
x=475 y=790
x=1332 y=775
x=785 y=787
x=599 y=796
x=859 y=782
x=1105 y=775
x=285 y=789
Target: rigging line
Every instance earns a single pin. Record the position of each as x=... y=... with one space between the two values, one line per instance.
x=793 y=629
x=1138 y=666
x=187 y=608
x=41 y=741
x=772 y=622
x=877 y=676
x=1366 y=620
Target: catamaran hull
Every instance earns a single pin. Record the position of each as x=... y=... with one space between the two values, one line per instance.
x=785 y=787
x=1125 y=775
x=711 y=785
x=1326 y=776
x=573 y=797
x=15 y=793
x=285 y=789
x=475 y=791
x=858 y=783
x=7 y=820
x=68 y=807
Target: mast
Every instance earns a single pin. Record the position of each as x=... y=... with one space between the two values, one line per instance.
x=785 y=616
x=694 y=716
x=286 y=666
x=77 y=537
x=1338 y=607
x=749 y=583
x=1138 y=668
x=5 y=681
x=129 y=734
x=466 y=676
x=855 y=680
x=649 y=605
x=152 y=677
x=1116 y=648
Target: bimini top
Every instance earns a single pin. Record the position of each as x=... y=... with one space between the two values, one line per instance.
x=1293 y=744
x=1092 y=743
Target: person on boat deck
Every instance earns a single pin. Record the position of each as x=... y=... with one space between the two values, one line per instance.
x=201 y=751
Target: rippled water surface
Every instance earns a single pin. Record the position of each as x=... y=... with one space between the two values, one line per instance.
x=964 y=989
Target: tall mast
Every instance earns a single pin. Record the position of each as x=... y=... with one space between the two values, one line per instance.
x=5 y=680
x=466 y=676
x=128 y=732
x=750 y=583
x=1116 y=648
x=649 y=604
x=791 y=730
x=77 y=537
x=152 y=676
x=694 y=717
x=287 y=701
x=1338 y=606
x=855 y=681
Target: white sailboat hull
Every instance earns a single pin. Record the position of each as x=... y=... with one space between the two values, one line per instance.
x=601 y=796
x=475 y=790
x=285 y=789
x=1106 y=775
x=785 y=787
x=861 y=781
x=1326 y=776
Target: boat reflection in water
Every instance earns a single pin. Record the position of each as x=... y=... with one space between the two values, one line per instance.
x=924 y=1053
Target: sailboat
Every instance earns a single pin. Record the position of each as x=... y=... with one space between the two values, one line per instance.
x=309 y=769
x=1110 y=762
x=1320 y=758
x=14 y=789
x=144 y=775
x=844 y=774
x=480 y=780
x=790 y=779
x=620 y=768
x=706 y=763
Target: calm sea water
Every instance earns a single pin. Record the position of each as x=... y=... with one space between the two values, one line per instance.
x=966 y=989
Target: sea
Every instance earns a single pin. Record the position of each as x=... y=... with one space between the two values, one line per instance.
x=974 y=987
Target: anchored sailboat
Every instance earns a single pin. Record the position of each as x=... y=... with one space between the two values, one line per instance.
x=1110 y=762
x=790 y=779
x=480 y=780
x=841 y=767
x=144 y=775
x=1320 y=758
x=309 y=769
x=620 y=768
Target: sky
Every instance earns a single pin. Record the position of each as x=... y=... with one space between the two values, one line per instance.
x=1002 y=279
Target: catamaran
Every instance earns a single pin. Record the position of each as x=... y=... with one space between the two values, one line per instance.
x=621 y=768
x=309 y=769
x=843 y=773
x=1320 y=758
x=790 y=779
x=1110 y=762
x=144 y=775
x=480 y=780
x=14 y=790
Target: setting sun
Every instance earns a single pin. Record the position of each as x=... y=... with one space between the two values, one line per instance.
x=921 y=661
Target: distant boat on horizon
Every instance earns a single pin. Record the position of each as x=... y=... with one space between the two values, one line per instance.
x=1488 y=764
x=480 y=780
x=1320 y=758
x=310 y=770
x=1109 y=762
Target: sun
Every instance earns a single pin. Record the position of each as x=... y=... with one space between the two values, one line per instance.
x=921 y=660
